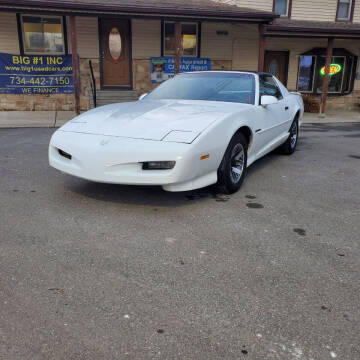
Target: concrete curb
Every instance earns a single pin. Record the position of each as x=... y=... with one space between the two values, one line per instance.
x=18 y=119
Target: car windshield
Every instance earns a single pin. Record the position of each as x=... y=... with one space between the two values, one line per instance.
x=216 y=86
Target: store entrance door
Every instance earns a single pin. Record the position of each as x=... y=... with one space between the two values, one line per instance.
x=115 y=56
x=276 y=63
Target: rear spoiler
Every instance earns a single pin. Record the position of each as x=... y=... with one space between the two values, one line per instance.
x=295 y=93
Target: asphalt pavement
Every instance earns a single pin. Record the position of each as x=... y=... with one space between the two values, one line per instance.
x=92 y=271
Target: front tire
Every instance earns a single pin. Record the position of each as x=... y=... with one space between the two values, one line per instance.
x=289 y=146
x=232 y=170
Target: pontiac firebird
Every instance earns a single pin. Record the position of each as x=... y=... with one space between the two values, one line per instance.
x=192 y=131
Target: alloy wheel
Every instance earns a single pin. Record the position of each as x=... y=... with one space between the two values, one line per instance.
x=237 y=160
x=293 y=134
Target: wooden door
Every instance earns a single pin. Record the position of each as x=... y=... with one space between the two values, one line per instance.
x=115 y=53
x=276 y=63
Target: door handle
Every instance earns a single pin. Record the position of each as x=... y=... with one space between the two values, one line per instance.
x=286 y=108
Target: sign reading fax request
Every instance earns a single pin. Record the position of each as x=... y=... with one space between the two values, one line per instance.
x=33 y=75
x=162 y=68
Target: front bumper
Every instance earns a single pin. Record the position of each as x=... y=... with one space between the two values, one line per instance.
x=117 y=160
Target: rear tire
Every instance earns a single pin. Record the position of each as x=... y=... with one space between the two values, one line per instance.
x=232 y=170
x=289 y=146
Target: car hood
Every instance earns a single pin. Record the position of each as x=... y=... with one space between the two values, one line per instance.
x=159 y=120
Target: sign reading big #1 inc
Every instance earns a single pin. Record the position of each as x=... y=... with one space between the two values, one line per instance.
x=36 y=74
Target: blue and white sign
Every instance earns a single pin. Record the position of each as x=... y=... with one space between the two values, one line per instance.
x=33 y=75
x=162 y=68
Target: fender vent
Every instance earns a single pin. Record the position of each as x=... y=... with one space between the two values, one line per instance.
x=64 y=154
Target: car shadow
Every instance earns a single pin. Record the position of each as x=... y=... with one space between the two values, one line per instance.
x=155 y=195
x=127 y=194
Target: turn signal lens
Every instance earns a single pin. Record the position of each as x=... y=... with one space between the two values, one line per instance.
x=158 y=165
x=204 y=157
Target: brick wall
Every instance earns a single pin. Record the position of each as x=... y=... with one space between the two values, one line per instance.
x=347 y=102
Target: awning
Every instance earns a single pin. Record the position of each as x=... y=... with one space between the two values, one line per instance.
x=302 y=28
x=200 y=9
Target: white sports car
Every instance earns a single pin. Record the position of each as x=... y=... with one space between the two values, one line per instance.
x=192 y=131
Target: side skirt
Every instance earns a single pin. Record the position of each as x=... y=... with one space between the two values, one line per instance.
x=270 y=147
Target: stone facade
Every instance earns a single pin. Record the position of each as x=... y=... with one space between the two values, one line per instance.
x=141 y=83
x=346 y=102
x=85 y=75
x=142 y=77
x=14 y=102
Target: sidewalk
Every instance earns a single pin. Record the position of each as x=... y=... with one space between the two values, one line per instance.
x=333 y=116
x=17 y=119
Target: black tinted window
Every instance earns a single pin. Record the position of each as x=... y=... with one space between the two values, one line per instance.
x=268 y=86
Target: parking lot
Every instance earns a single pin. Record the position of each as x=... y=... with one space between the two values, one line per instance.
x=95 y=271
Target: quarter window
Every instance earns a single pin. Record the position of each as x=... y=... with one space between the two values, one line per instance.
x=281 y=7
x=42 y=34
x=268 y=86
x=189 y=34
x=344 y=10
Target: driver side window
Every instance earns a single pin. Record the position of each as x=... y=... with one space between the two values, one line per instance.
x=268 y=86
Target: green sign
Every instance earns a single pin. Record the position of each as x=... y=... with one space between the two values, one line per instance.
x=334 y=69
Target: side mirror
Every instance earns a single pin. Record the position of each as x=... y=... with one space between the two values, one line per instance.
x=268 y=100
x=142 y=96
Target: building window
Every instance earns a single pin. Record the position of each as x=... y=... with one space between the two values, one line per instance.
x=312 y=71
x=42 y=34
x=344 y=10
x=306 y=73
x=190 y=38
x=281 y=7
x=351 y=78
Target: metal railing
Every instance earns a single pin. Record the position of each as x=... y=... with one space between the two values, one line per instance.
x=92 y=83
